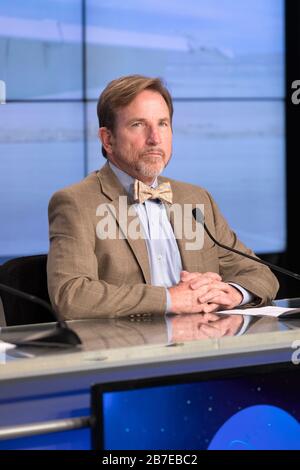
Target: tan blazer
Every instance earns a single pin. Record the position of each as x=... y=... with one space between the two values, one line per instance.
x=90 y=277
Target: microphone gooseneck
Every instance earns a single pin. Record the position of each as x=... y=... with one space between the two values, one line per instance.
x=199 y=217
x=62 y=336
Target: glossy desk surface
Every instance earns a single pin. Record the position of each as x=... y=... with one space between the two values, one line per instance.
x=109 y=344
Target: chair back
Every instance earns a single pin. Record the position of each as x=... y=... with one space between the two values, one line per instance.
x=29 y=274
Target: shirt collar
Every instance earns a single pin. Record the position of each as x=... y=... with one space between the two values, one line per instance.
x=125 y=179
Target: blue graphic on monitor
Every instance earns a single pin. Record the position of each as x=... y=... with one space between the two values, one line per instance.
x=258 y=427
x=257 y=411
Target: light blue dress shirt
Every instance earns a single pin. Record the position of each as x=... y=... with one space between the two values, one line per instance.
x=164 y=256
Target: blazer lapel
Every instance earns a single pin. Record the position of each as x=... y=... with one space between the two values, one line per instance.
x=113 y=189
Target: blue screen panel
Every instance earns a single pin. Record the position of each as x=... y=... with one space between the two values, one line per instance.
x=202 y=48
x=41 y=49
x=244 y=413
x=225 y=73
x=236 y=150
x=41 y=147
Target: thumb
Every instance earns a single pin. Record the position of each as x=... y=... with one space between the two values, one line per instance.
x=184 y=273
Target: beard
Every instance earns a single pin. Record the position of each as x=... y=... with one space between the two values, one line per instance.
x=149 y=165
x=143 y=163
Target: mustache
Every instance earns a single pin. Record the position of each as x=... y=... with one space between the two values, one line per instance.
x=154 y=150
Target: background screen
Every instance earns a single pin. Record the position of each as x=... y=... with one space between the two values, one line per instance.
x=224 y=64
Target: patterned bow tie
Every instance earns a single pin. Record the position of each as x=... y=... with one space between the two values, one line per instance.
x=142 y=192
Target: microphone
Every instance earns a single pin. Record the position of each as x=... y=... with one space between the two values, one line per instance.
x=199 y=217
x=61 y=337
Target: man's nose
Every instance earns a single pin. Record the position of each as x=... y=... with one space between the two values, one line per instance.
x=153 y=136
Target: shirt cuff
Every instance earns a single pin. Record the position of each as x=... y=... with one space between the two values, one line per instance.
x=169 y=302
x=247 y=296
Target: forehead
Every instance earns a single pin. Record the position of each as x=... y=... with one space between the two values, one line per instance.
x=147 y=104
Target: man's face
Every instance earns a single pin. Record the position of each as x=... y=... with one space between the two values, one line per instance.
x=141 y=144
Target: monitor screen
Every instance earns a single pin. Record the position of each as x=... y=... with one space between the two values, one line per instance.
x=253 y=408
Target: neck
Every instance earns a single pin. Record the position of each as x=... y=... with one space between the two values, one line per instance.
x=149 y=180
x=146 y=180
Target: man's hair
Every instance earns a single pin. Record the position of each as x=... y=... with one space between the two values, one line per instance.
x=122 y=91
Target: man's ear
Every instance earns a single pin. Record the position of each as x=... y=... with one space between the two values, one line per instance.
x=105 y=135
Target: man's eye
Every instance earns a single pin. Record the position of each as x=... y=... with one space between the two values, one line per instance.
x=164 y=124
x=136 y=124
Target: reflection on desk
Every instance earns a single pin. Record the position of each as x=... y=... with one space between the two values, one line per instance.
x=104 y=334
x=126 y=332
x=202 y=326
x=107 y=334
x=121 y=342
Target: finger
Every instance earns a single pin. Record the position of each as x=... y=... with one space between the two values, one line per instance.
x=186 y=276
x=201 y=308
x=212 y=283
x=211 y=332
x=213 y=275
x=199 y=293
x=206 y=281
x=212 y=289
x=216 y=297
x=209 y=308
x=184 y=273
x=200 y=282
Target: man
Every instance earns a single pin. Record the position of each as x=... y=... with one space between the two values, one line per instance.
x=95 y=274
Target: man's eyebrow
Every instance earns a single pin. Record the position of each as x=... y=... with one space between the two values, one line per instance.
x=136 y=119
x=166 y=118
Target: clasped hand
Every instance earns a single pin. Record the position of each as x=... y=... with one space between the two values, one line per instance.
x=203 y=293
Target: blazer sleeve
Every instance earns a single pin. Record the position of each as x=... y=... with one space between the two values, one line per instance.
x=75 y=290
x=255 y=277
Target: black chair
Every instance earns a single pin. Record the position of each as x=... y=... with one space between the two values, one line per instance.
x=29 y=275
